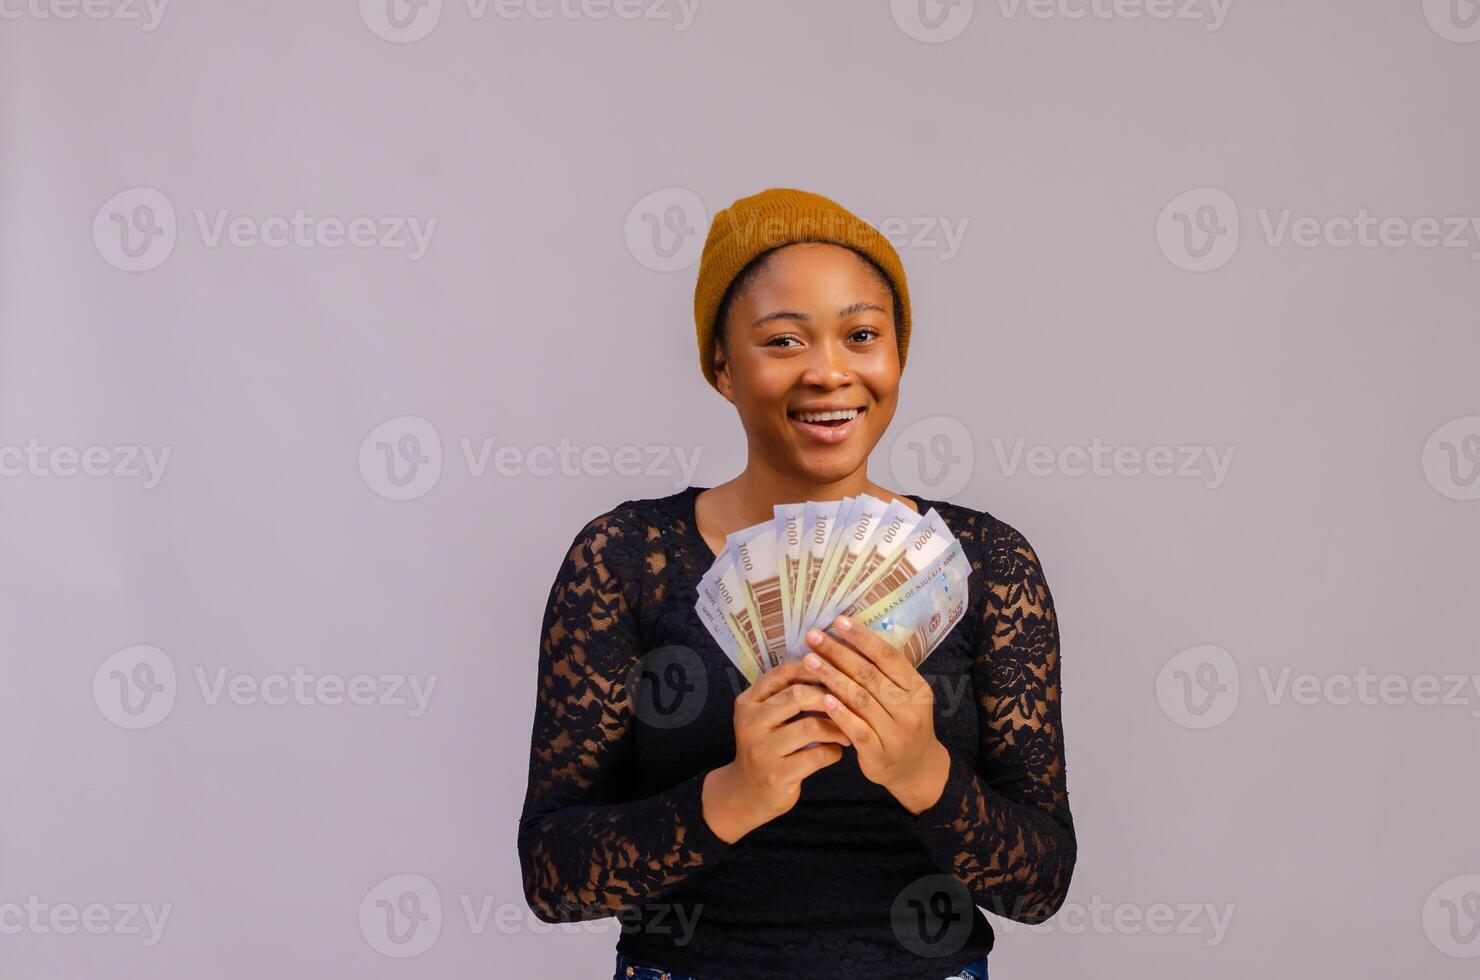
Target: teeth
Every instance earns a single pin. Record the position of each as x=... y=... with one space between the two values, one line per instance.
x=847 y=413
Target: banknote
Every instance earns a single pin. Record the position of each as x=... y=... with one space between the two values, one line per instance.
x=818 y=519
x=918 y=615
x=895 y=571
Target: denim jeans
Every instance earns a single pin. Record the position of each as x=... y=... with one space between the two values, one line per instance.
x=627 y=970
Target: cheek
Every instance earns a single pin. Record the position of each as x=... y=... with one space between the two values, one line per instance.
x=760 y=396
x=883 y=384
x=763 y=383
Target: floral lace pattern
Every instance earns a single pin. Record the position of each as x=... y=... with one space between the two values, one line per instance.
x=1006 y=828
x=582 y=848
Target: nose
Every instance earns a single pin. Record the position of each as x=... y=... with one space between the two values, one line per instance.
x=828 y=368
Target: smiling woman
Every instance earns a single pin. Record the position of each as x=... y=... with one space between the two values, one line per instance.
x=812 y=822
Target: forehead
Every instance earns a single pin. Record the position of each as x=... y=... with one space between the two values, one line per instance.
x=803 y=267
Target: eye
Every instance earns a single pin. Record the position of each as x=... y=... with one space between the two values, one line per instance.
x=773 y=340
x=870 y=332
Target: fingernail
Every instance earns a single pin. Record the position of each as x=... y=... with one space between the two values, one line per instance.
x=830 y=701
x=814 y=637
x=813 y=660
x=844 y=623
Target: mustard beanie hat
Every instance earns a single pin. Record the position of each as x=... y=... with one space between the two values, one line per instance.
x=780 y=216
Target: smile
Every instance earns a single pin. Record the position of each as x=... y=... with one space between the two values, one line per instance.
x=830 y=426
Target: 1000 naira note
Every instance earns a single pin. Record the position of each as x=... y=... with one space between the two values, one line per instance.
x=898 y=572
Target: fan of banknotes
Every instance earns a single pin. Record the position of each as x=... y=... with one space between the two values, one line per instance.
x=897 y=572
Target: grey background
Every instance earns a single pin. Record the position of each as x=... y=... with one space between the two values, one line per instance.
x=1337 y=838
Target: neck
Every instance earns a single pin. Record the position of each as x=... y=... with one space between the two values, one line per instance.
x=760 y=487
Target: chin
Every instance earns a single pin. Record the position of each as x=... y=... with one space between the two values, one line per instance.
x=829 y=470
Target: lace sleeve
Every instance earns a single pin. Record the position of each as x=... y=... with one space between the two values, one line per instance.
x=584 y=849
x=1003 y=827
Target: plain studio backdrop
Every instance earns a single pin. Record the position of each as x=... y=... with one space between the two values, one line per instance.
x=324 y=327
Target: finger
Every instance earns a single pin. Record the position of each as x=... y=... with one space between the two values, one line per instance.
x=795 y=693
x=784 y=704
x=860 y=734
x=804 y=731
x=771 y=681
x=866 y=683
x=887 y=657
x=804 y=762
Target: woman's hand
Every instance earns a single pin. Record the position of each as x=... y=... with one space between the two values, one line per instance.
x=765 y=779
x=880 y=701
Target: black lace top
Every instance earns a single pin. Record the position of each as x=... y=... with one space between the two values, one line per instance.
x=634 y=706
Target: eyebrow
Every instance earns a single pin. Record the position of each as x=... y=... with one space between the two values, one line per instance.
x=846 y=311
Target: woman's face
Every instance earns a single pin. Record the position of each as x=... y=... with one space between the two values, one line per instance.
x=813 y=331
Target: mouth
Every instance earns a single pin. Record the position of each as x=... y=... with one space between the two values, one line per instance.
x=827 y=427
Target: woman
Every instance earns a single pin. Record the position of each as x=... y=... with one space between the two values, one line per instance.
x=733 y=838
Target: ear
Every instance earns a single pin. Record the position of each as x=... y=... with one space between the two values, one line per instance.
x=722 y=379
